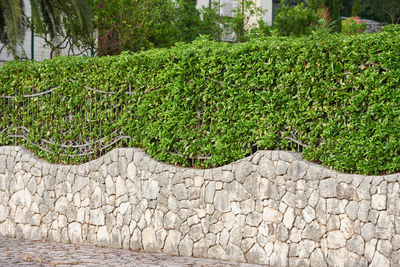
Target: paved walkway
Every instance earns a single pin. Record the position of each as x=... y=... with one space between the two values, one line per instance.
x=16 y=252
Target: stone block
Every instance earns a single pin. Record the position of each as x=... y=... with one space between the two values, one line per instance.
x=378 y=202
x=149 y=241
x=328 y=187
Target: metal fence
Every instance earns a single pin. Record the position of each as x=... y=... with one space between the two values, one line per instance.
x=30 y=104
x=82 y=148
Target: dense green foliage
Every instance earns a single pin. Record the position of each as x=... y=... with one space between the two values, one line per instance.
x=337 y=95
x=134 y=25
x=350 y=26
x=334 y=8
x=241 y=21
x=294 y=21
x=316 y=4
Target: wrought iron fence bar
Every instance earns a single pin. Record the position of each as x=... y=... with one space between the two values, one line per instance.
x=42 y=93
x=85 y=86
x=113 y=93
x=62 y=145
x=197 y=157
x=89 y=114
x=37 y=108
x=31 y=95
x=92 y=152
x=14 y=136
x=64 y=154
x=115 y=141
x=93 y=89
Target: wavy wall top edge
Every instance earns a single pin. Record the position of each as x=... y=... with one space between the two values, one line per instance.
x=274 y=155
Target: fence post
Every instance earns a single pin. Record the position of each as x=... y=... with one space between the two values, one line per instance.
x=32 y=43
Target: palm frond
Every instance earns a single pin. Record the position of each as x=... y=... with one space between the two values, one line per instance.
x=49 y=17
x=12 y=18
x=36 y=18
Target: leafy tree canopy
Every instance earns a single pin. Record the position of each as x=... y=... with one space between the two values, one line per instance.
x=136 y=24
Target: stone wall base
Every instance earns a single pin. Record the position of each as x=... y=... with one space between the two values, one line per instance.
x=271 y=208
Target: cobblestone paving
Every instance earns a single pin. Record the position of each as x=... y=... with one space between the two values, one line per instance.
x=17 y=252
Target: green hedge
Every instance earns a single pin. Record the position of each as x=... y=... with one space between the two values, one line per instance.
x=208 y=103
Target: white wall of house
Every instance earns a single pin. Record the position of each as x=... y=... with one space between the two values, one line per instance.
x=228 y=5
x=268 y=6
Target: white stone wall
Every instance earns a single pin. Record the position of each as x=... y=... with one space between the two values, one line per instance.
x=271 y=208
x=373 y=26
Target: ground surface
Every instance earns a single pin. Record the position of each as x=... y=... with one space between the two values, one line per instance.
x=16 y=252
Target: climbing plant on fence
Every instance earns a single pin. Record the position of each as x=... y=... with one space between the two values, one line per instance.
x=335 y=98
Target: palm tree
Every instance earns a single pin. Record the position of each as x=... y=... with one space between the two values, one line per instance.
x=48 y=17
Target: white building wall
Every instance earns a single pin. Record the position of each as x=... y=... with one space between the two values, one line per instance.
x=228 y=5
x=202 y=3
x=267 y=5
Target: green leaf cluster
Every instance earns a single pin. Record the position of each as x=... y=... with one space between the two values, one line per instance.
x=350 y=26
x=294 y=21
x=135 y=25
x=207 y=103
